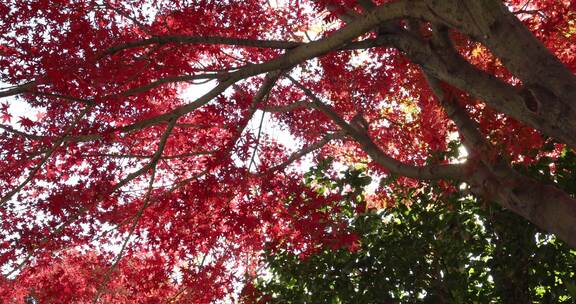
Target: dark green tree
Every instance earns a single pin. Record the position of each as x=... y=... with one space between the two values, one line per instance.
x=430 y=247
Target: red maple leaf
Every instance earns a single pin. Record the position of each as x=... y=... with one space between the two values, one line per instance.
x=25 y=122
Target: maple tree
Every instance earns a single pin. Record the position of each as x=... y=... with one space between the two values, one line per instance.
x=113 y=168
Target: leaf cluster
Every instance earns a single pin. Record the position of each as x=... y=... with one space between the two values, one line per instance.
x=439 y=248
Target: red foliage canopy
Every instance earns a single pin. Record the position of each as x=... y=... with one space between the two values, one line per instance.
x=134 y=166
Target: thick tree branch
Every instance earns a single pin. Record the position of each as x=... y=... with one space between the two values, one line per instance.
x=446 y=64
x=491 y=23
x=473 y=139
x=547 y=101
x=544 y=205
x=451 y=171
x=367 y=5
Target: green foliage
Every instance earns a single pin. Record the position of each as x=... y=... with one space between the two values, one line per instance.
x=437 y=248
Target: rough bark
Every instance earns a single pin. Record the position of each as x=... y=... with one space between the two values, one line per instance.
x=552 y=85
x=549 y=89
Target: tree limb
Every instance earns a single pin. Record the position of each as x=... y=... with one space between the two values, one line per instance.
x=451 y=171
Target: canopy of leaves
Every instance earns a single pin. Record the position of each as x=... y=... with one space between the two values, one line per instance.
x=151 y=150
